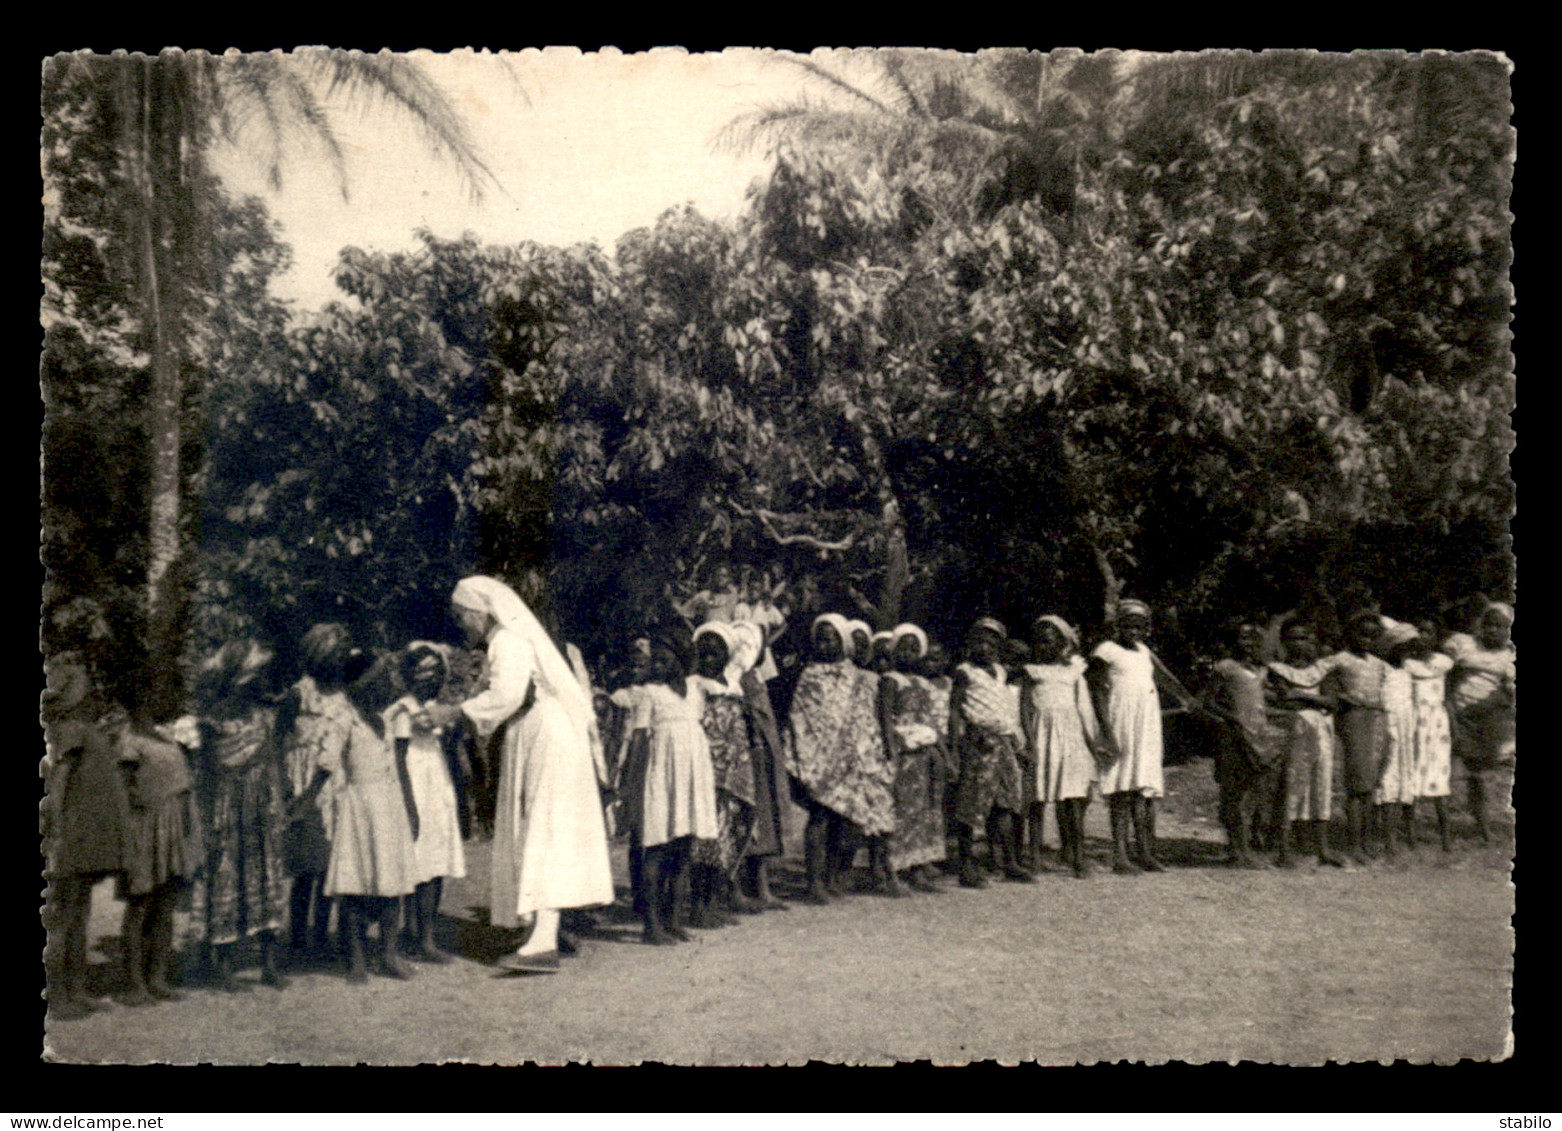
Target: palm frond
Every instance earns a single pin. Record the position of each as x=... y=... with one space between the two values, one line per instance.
x=368 y=80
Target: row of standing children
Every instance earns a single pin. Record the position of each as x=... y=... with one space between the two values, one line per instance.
x=1385 y=715
x=337 y=790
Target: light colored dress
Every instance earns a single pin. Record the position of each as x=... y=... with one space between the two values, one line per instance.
x=437 y=848
x=835 y=748
x=1309 y=745
x=1133 y=720
x=371 y=838
x=1433 y=736
x=1397 y=779
x=1362 y=720
x=1061 y=731
x=678 y=797
x=550 y=841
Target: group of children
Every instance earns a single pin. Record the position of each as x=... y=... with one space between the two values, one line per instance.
x=342 y=790
x=272 y=808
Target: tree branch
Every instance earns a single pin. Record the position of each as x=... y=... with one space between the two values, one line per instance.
x=768 y=518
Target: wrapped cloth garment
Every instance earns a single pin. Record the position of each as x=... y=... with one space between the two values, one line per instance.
x=917 y=750
x=835 y=748
x=1132 y=719
x=550 y=840
x=989 y=747
x=1308 y=743
x=1061 y=731
x=1481 y=693
x=244 y=885
x=726 y=725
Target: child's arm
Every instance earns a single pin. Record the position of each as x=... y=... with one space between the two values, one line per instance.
x=886 y=707
x=402 y=745
x=1186 y=698
x=956 y=713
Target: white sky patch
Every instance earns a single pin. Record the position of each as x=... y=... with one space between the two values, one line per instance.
x=584 y=147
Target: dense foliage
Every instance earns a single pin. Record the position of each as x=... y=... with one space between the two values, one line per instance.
x=1234 y=343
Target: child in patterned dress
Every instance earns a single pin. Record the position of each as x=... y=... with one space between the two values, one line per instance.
x=984 y=732
x=1394 y=798
x=1305 y=709
x=1428 y=671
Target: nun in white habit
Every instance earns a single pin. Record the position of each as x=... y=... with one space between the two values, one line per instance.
x=550 y=843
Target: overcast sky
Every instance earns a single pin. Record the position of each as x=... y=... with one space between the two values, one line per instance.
x=585 y=147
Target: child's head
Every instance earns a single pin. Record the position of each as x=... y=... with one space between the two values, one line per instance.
x=425 y=670
x=829 y=638
x=1131 y=624
x=882 y=660
x=1299 y=642
x=935 y=663
x=1053 y=639
x=1362 y=629
x=984 y=643
x=231 y=676
x=1015 y=654
x=671 y=655
x=326 y=648
x=720 y=577
x=1247 y=642
x=711 y=650
x=1493 y=630
x=861 y=636
x=69 y=691
x=908 y=647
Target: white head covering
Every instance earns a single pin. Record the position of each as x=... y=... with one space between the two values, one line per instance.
x=1066 y=629
x=855 y=626
x=902 y=631
x=842 y=628
x=728 y=633
x=554 y=676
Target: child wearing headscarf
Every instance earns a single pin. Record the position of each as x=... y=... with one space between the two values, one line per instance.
x=915 y=743
x=1481 y=698
x=85 y=814
x=725 y=652
x=1062 y=735
x=420 y=745
x=244 y=808
x=1125 y=673
x=835 y=751
x=985 y=736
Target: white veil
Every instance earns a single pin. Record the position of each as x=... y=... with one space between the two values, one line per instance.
x=554 y=675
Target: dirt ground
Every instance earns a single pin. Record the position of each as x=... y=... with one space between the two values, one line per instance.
x=1408 y=959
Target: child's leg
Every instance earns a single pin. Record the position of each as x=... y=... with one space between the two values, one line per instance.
x=879 y=848
x=1121 y=805
x=132 y=945
x=1356 y=819
x=298 y=913
x=428 y=897
x=1476 y=783
x=389 y=916
x=270 y=954
x=1384 y=818
x=72 y=899
x=160 y=942
x=350 y=913
x=970 y=875
x=1440 y=804
x=1009 y=824
x=995 y=843
x=675 y=880
x=1408 y=822
x=651 y=885
x=1326 y=854
x=816 y=854
x=1143 y=809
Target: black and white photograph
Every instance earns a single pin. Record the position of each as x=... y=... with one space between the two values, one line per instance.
x=752 y=557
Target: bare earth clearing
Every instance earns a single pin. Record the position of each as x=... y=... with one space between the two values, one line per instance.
x=1409 y=959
